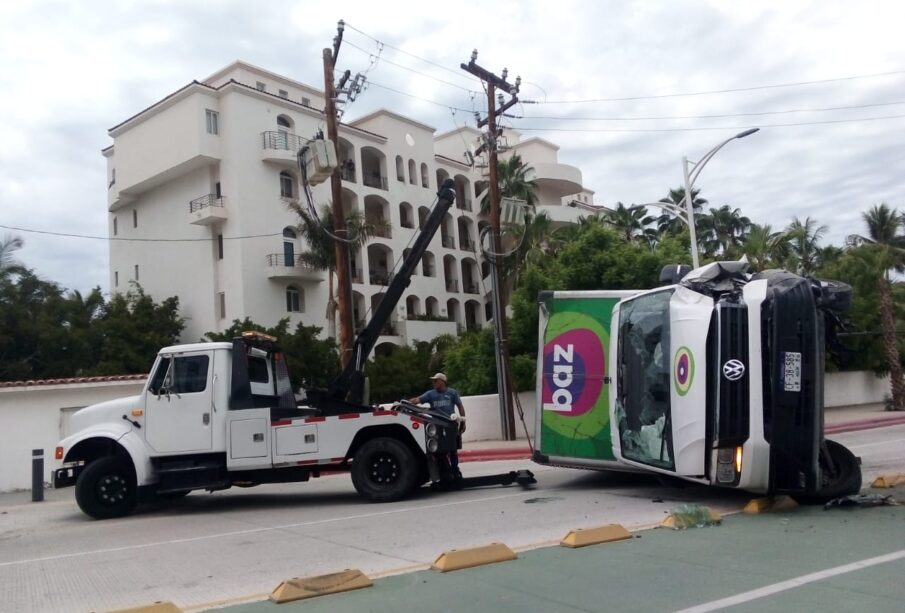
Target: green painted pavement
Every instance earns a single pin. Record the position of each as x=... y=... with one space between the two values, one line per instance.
x=662 y=570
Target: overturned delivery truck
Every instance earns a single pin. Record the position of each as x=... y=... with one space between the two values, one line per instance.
x=716 y=378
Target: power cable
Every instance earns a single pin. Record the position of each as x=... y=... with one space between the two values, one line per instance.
x=697 y=129
x=136 y=240
x=720 y=91
x=414 y=96
x=408 y=68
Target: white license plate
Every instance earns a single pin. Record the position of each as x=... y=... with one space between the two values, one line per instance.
x=791 y=371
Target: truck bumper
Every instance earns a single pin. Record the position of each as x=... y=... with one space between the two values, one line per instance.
x=67 y=476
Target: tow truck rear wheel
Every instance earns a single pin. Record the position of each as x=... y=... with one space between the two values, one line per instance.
x=384 y=470
x=107 y=488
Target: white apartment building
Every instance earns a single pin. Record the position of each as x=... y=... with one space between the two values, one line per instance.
x=208 y=169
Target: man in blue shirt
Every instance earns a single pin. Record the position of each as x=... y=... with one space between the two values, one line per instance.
x=446 y=400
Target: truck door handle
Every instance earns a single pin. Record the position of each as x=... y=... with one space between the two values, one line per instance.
x=206 y=419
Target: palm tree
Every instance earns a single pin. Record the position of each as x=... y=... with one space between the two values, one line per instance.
x=8 y=263
x=764 y=247
x=512 y=175
x=722 y=229
x=803 y=238
x=631 y=223
x=667 y=223
x=321 y=253
x=884 y=249
x=536 y=239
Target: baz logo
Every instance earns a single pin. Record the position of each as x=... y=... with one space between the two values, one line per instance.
x=574 y=367
x=733 y=370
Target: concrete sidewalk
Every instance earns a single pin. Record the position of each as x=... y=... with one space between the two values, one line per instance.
x=837 y=419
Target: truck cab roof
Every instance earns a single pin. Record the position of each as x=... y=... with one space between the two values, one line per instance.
x=193 y=347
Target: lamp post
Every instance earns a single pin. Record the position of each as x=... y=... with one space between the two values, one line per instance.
x=692 y=171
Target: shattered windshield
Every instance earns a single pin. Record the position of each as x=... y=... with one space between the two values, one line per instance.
x=642 y=402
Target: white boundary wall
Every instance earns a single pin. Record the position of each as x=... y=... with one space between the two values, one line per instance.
x=37 y=416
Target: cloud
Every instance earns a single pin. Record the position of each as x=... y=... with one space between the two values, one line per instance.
x=73 y=69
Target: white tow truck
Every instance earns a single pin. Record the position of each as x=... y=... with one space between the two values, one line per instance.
x=217 y=415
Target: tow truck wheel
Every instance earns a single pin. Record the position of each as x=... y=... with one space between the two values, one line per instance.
x=384 y=470
x=107 y=488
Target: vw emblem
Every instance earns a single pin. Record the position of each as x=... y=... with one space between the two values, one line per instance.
x=733 y=370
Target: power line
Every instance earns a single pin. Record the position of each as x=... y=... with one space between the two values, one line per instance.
x=719 y=91
x=774 y=125
x=416 y=97
x=751 y=114
x=136 y=240
x=410 y=69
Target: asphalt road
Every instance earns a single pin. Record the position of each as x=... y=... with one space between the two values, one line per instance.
x=237 y=545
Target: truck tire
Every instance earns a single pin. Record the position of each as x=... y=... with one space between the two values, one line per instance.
x=384 y=469
x=107 y=488
x=841 y=479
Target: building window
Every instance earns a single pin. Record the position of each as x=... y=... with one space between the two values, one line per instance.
x=115 y=278
x=219 y=246
x=213 y=121
x=134 y=218
x=260 y=86
x=284 y=94
x=115 y=226
x=286 y=190
x=136 y=272
x=222 y=299
x=112 y=178
x=295 y=300
x=306 y=101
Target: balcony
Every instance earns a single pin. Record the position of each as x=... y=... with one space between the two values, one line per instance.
x=380 y=278
x=563 y=215
x=279 y=270
x=561 y=179
x=281 y=148
x=375 y=181
x=358 y=276
x=207 y=210
x=448 y=241
x=466 y=244
x=452 y=285
x=470 y=288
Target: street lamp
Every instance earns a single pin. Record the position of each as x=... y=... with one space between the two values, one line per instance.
x=675 y=209
x=692 y=170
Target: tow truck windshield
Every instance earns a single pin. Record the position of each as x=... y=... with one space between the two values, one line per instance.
x=642 y=404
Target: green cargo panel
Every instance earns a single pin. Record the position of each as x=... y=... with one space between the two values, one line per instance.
x=574 y=401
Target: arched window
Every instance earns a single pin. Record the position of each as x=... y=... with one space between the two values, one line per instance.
x=412 y=178
x=284 y=126
x=289 y=238
x=295 y=300
x=424 y=179
x=287 y=189
x=284 y=122
x=400 y=169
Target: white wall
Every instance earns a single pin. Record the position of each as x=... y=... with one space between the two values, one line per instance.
x=841 y=389
x=37 y=417
x=483 y=417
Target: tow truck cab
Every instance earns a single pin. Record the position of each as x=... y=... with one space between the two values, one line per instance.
x=717 y=379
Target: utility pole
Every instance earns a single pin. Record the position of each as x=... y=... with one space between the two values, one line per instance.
x=341 y=249
x=504 y=379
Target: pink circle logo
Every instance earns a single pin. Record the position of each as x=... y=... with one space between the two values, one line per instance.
x=574 y=367
x=684 y=370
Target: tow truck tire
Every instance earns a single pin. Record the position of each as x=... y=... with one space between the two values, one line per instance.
x=846 y=481
x=384 y=469
x=107 y=488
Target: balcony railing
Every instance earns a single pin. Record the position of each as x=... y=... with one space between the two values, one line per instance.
x=380 y=278
x=466 y=244
x=375 y=181
x=389 y=329
x=452 y=285
x=449 y=242
x=282 y=140
x=205 y=201
x=279 y=259
x=358 y=276
x=463 y=203
x=347 y=173
x=470 y=288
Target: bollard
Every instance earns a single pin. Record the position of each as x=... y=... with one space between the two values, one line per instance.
x=37 y=475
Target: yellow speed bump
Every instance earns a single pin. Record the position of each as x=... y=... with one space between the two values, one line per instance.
x=309 y=587
x=888 y=481
x=583 y=537
x=157 y=607
x=457 y=559
x=770 y=504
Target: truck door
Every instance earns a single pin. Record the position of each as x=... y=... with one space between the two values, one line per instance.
x=179 y=404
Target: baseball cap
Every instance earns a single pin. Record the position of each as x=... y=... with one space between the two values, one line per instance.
x=440 y=376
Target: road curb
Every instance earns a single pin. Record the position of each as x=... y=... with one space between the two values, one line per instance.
x=864 y=424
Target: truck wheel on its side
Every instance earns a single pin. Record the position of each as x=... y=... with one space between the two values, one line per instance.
x=384 y=470
x=107 y=488
x=841 y=479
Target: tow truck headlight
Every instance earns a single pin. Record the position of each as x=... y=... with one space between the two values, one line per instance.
x=729 y=464
x=431 y=430
x=433 y=445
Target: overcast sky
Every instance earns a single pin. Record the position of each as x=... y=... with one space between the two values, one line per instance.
x=71 y=70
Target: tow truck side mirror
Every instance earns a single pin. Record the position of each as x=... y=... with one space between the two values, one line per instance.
x=672 y=274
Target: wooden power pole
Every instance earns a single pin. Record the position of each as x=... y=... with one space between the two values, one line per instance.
x=504 y=378
x=341 y=248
